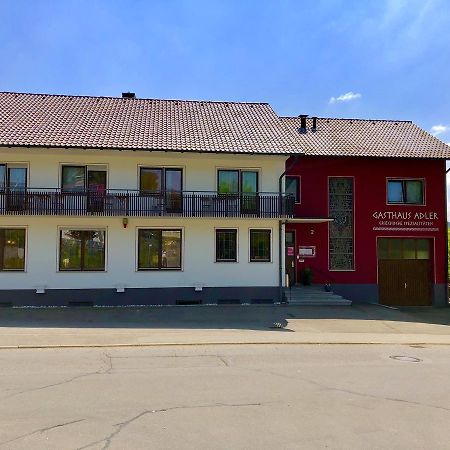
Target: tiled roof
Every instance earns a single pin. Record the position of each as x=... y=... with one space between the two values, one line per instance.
x=142 y=124
x=356 y=137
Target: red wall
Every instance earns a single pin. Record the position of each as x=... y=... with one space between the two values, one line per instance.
x=369 y=197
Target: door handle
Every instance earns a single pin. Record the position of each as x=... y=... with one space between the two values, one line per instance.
x=406 y=285
x=292 y=264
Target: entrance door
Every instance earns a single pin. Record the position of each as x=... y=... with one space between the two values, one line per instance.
x=404 y=272
x=289 y=250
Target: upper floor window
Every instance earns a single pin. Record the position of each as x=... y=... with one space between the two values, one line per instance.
x=12 y=249
x=83 y=178
x=405 y=192
x=159 y=179
x=13 y=177
x=235 y=181
x=293 y=187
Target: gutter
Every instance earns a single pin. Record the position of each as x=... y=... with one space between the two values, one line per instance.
x=280 y=229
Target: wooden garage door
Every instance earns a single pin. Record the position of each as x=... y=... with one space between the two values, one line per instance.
x=404 y=272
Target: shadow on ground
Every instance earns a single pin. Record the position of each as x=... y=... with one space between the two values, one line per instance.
x=210 y=317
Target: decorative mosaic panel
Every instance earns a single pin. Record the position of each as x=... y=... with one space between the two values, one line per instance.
x=340 y=208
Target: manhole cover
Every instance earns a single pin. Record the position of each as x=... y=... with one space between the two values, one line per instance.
x=406 y=358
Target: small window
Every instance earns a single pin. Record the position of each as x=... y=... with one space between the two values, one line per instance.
x=405 y=192
x=260 y=241
x=293 y=187
x=159 y=249
x=82 y=250
x=226 y=245
x=12 y=249
x=403 y=248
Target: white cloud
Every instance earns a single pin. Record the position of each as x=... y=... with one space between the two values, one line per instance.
x=347 y=97
x=439 y=129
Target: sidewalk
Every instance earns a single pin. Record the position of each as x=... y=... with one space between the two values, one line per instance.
x=215 y=325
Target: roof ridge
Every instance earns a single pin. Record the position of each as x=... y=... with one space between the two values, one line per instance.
x=41 y=94
x=350 y=119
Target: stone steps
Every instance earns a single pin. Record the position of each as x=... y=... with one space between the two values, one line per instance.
x=314 y=296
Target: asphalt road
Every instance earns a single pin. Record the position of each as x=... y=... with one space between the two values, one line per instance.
x=226 y=397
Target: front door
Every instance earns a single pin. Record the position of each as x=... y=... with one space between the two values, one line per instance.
x=289 y=251
x=404 y=272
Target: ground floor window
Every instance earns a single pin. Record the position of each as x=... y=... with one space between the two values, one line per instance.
x=12 y=249
x=260 y=243
x=226 y=245
x=82 y=250
x=159 y=249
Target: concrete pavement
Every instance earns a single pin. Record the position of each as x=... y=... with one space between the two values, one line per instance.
x=216 y=325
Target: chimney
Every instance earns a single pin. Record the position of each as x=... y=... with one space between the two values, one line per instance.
x=314 y=125
x=128 y=95
x=303 y=123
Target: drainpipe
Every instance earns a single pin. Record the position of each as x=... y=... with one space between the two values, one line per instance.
x=446 y=234
x=280 y=229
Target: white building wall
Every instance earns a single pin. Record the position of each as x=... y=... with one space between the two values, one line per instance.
x=200 y=169
x=199 y=266
x=198 y=258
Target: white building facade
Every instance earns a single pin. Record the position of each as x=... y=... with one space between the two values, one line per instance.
x=167 y=215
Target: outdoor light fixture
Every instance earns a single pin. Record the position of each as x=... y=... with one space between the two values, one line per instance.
x=125 y=222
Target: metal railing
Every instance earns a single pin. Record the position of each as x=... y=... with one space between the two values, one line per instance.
x=57 y=202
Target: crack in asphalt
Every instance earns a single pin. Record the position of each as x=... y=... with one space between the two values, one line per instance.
x=120 y=426
x=41 y=430
x=347 y=391
x=107 y=370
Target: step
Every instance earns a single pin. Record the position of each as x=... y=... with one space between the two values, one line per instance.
x=321 y=302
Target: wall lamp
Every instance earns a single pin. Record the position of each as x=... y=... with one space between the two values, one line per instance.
x=125 y=222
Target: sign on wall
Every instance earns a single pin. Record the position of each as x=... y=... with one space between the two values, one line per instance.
x=405 y=221
x=307 y=251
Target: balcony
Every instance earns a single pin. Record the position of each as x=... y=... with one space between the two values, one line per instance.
x=54 y=202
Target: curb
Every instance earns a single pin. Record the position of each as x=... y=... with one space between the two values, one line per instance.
x=193 y=344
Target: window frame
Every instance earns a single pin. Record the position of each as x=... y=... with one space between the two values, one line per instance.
x=160 y=268
x=299 y=187
x=250 y=230
x=14 y=165
x=96 y=167
x=404 y=189
x=236 y=230
x=240 y=171
x=81 y=270
x=163 y=170
x=25 y=256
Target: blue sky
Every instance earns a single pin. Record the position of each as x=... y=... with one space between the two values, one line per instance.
x=343 y=58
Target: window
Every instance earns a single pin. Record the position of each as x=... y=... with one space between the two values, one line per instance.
x=260 y=243
x=405 y=192
x=340 y=208
x=226 y=245
x=159 y=249
x=164 y=183
x=84 y=178
x=237 y=181
x=13 y=181
x=293 y=187
x=12 y=249
x=81 y=250
x=403 y=248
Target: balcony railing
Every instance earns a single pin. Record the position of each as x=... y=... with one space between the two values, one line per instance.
x=54 y=202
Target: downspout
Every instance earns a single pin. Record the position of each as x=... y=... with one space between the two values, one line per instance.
x=446 y=235
x=280 y=229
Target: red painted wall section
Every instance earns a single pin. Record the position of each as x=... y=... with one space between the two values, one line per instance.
x=371 y=211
